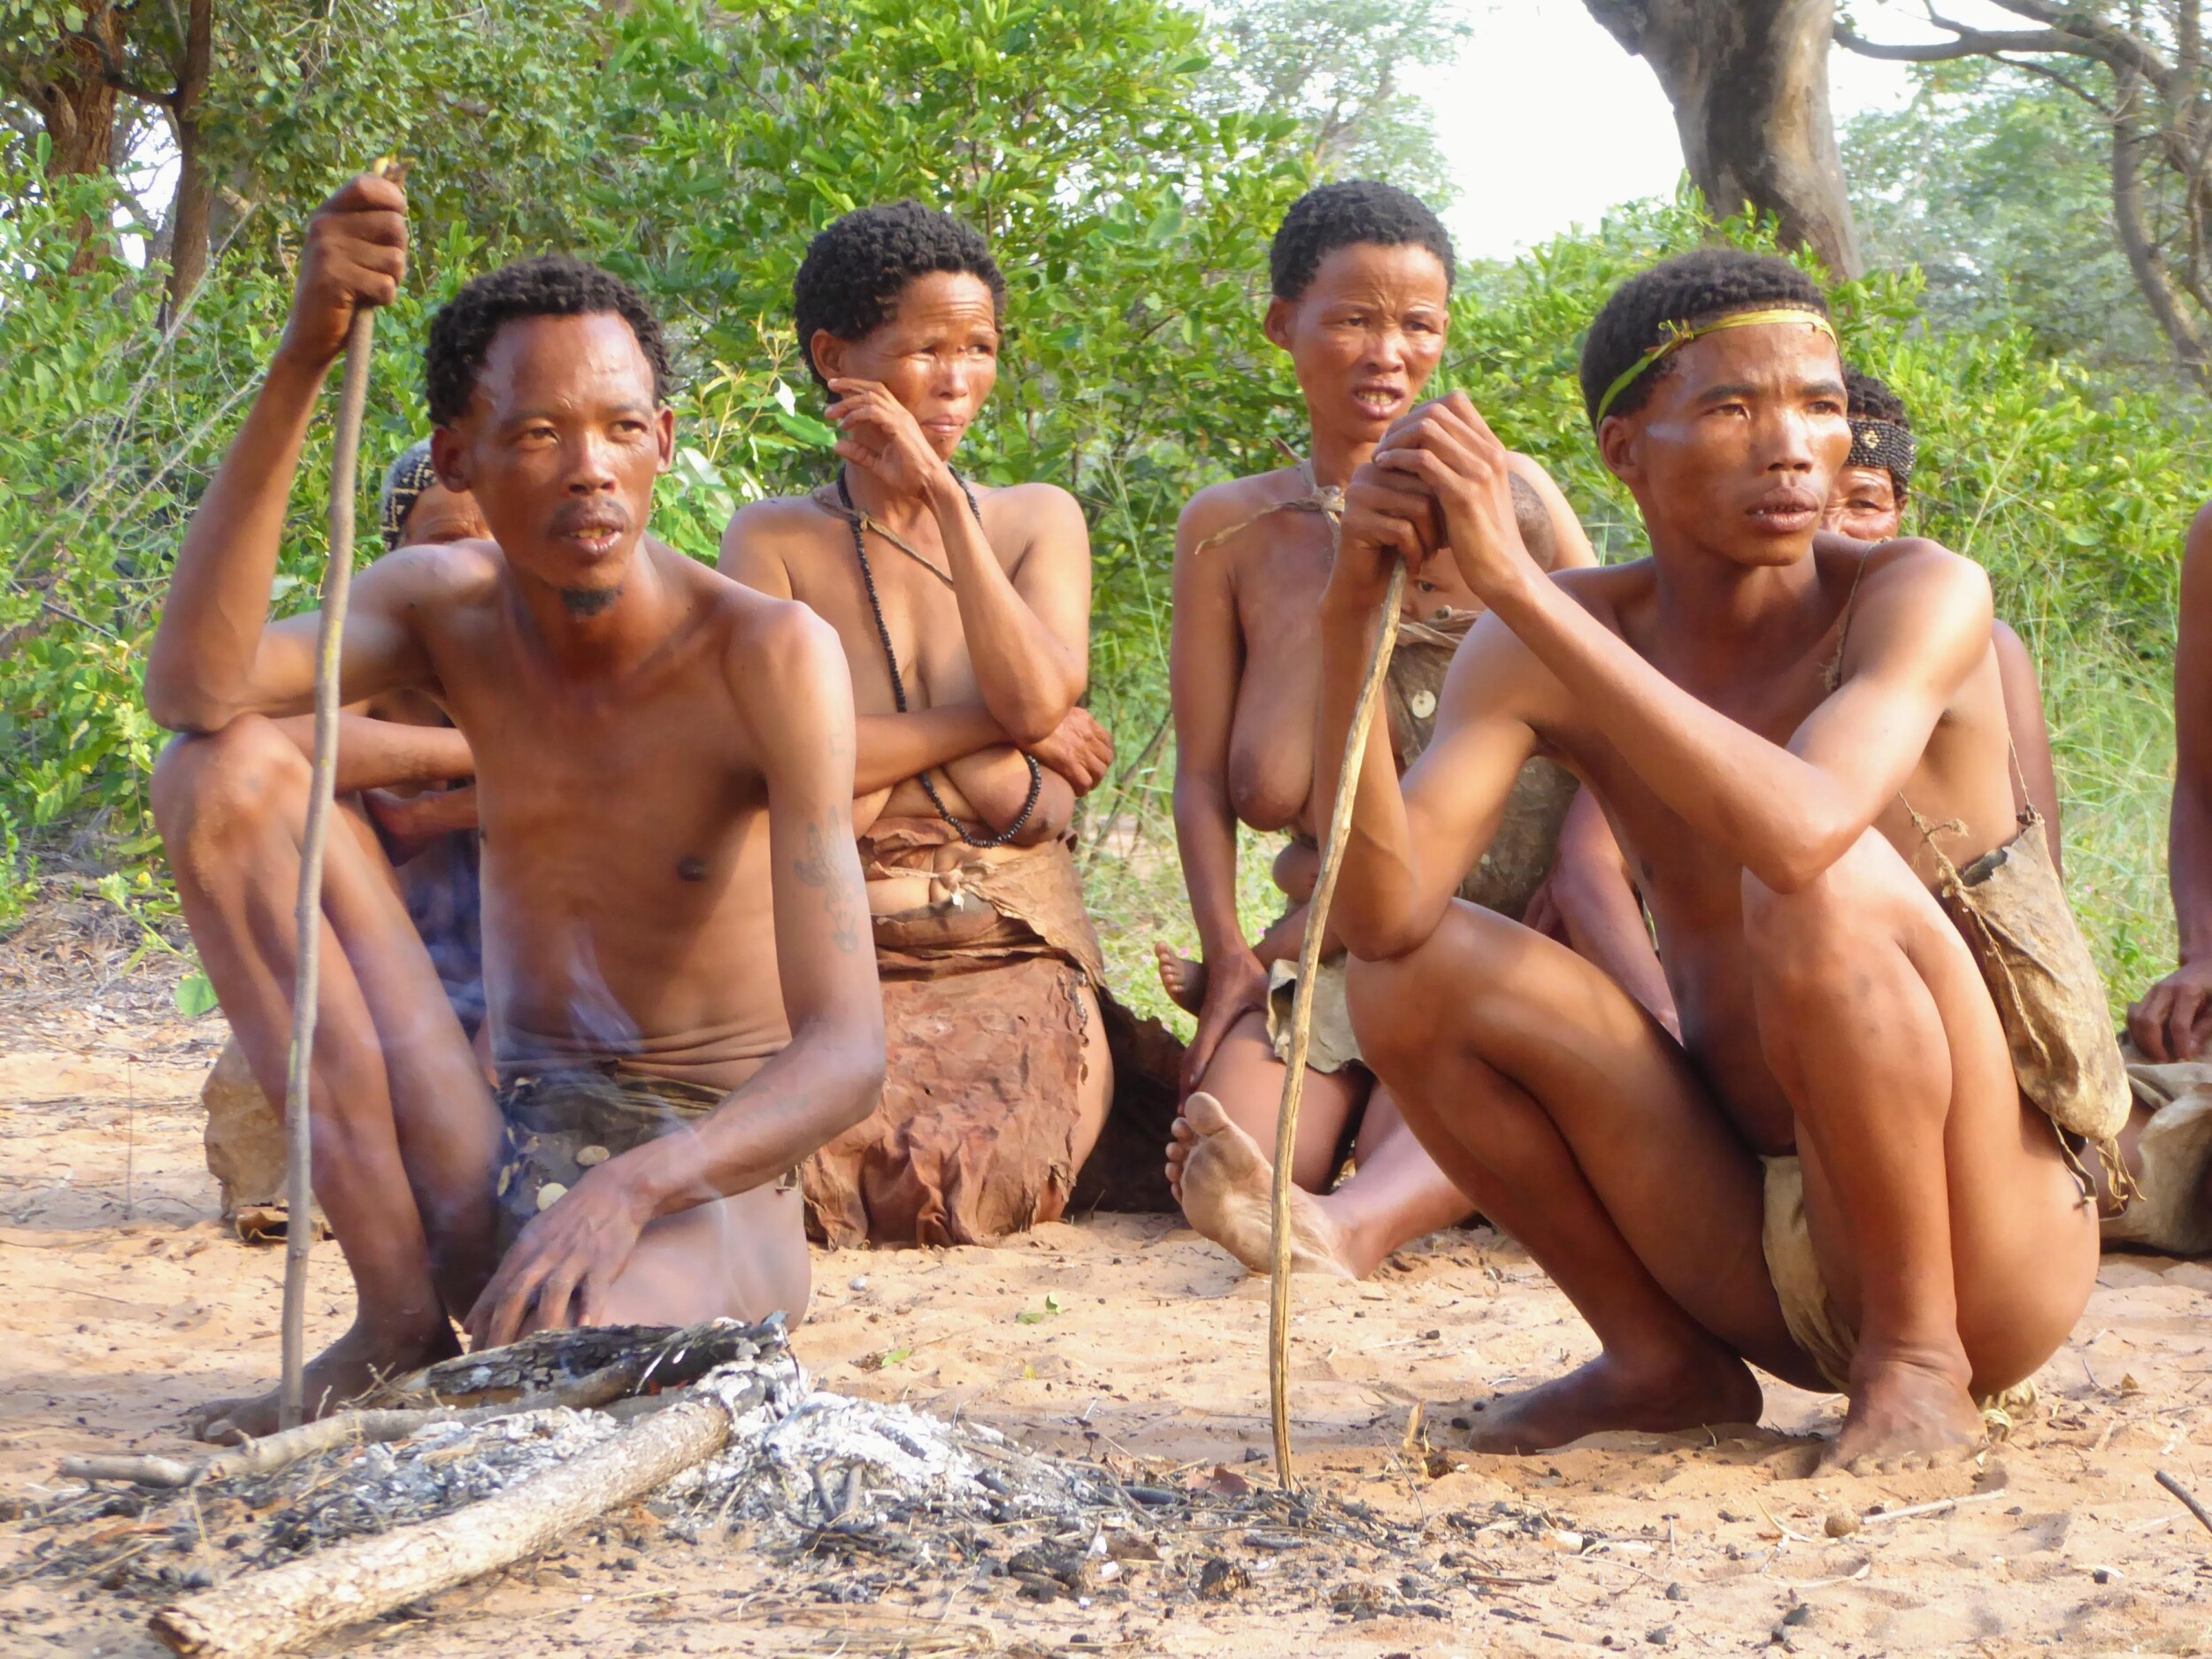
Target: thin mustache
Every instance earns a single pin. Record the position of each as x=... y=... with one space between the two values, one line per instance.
x=571 y=519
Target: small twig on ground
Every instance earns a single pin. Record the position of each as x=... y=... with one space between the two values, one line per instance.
x=2188 y=1502
x=1937 y=1508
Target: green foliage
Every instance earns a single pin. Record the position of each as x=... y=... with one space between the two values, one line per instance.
x=1999 y=188
x=698 y=149
x=1339 y=68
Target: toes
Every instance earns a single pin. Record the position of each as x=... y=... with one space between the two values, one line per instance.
x=1205 y=1115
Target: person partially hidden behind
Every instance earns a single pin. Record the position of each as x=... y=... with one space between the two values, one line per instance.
x=404 y=794
x=1844 y=1171
x=682 y=1002
x=1868 y=503
x=2170 y=1141
x=964 y=615
x=1361 y=280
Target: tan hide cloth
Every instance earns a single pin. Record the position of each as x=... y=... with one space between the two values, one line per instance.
x=985 y=1026
x=1519 y=857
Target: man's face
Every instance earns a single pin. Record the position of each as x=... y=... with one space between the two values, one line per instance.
x=441 y=515
x=560 y=446
x=1366 y=336
x=937 y=353
x=1863 y=504
x=1739 y=444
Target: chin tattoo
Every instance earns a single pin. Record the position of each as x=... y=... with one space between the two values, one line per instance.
x=588 y=602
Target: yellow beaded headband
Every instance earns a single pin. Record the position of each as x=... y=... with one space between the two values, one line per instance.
x=1679 y=335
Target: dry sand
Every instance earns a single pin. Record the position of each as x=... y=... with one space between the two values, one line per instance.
x=127 y=1302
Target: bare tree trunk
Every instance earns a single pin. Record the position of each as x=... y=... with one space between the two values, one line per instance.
x=1748 y=80
x=2145 y=259
x=190 y=213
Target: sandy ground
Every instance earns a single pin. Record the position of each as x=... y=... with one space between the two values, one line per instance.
x=127 y=1301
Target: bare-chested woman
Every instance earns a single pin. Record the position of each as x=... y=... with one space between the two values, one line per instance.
x=1362 y=277
x=964 y=612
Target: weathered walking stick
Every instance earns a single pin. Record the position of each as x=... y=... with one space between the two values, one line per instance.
x=1332 y=840
x=307 y=914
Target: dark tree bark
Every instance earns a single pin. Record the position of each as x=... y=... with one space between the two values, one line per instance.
x=1748 y=80
x=189 y=214
x=2146 y=75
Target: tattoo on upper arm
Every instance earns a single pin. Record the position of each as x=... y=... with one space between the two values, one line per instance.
x=822 y=868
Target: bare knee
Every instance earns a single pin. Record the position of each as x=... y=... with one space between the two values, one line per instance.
x=220 y=790
x=1806 y=940
x=1462 y=983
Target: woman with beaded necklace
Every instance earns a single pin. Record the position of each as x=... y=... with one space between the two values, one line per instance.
x=964 y=612
x=1361 y=278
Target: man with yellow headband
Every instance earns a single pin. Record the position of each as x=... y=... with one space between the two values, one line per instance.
x=1843 y=1172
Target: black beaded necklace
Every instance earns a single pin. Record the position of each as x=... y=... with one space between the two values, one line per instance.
x=898 y=684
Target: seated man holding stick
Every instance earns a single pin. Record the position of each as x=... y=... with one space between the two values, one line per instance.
x=682 y=1000
x=1844 y=1171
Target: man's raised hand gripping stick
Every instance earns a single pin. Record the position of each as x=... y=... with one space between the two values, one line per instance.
x=299 y=1190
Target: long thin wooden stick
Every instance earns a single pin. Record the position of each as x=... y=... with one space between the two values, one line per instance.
x=307 y=912
x=1301 y=1019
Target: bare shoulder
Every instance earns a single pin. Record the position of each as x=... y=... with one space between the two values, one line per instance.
x=1219 y=508
x=1612 y=593
x=776 y=653
x=776 y=521
x=1926 y=570
x=435 y=576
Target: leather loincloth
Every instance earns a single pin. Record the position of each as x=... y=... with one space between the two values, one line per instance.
x=2168 y=1213
x=984 y=1022
x=561 y=1124
x=1521 y=855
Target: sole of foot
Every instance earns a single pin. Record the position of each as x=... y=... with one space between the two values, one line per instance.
x=1226 y=1187
x=341 y=1374
x=1694 y=1391
x=1905 y=1415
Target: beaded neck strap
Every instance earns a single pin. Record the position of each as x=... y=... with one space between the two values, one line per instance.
x=860 y=524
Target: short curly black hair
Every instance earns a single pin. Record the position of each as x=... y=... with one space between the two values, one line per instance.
x=856 y=269
x=1683 y=292
x=1872 y=400
x=554 y=285
x=1332 y=216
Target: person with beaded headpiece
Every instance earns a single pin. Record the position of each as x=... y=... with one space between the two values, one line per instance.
x=1861 y=1165
x=1361 y=278
x=1868 y=503
x=964 y=612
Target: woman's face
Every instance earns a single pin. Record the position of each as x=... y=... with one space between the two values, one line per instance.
x=1366 y=336
x=1863 y=504
x=937 y=353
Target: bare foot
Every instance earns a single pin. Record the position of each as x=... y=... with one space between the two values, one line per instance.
x=347 y=1369
x=1226 y=1183
x=1709 y=1385
x=1905 y=1414
x=1183 y=980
